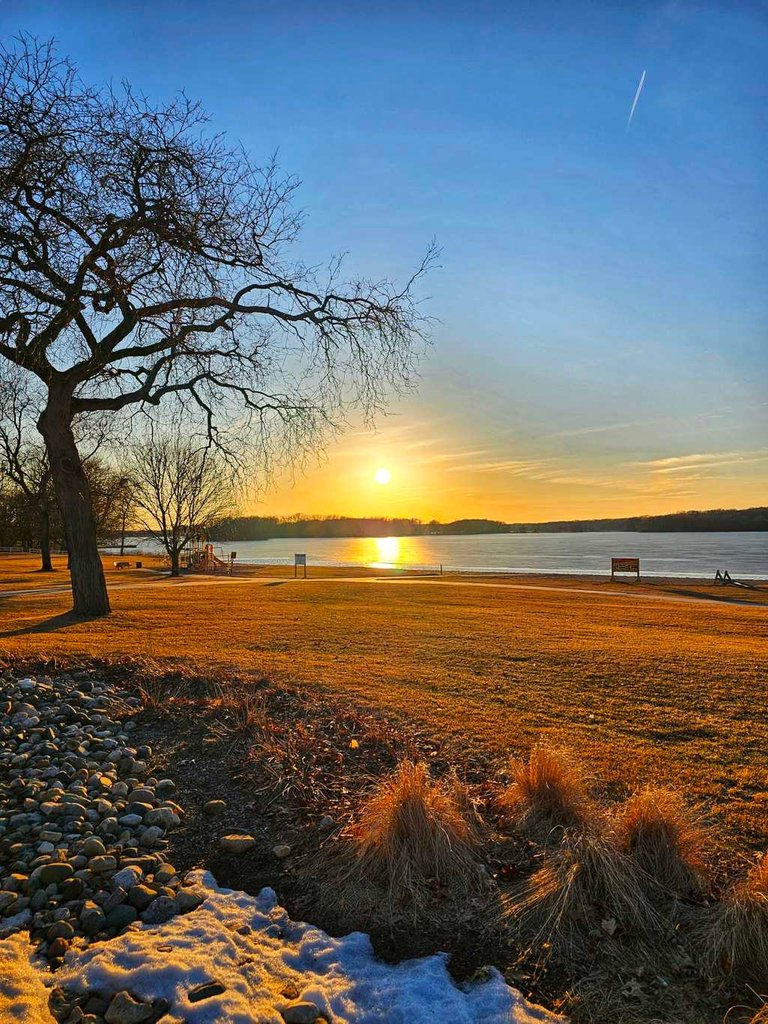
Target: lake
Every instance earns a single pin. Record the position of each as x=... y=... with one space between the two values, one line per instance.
x=743 y=554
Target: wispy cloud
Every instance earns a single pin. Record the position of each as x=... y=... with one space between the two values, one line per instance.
x=702 y=461
x=603 y=429
x=512 y=467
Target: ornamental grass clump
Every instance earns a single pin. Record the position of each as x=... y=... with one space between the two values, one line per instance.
x=546 y=796
x=734 y=936
x=413 y=838
x=584 y=883
x=664 y=838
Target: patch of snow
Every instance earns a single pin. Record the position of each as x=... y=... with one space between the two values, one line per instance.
x=250 y=946
x=23 y=997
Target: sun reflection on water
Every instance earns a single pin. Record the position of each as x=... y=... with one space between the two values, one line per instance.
x=387 y=552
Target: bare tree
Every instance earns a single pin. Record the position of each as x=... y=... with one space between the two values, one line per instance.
x=23 y=458
x=141 y=257
x=112 y=494
x=24 y=461
x=181 y=488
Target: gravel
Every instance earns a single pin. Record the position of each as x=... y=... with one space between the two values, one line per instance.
x=83 y=823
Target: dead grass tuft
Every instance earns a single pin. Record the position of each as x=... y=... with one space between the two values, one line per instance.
x=547 y=796
x=734 y=937
x=242 y=713
x=665 y=839
x=583 y=884
x=157 y=693
x=283 y=760
x=413 y=840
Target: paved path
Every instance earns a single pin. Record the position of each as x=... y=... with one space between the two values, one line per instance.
x=400 y=581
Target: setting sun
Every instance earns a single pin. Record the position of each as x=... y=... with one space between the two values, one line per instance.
x=382 y=475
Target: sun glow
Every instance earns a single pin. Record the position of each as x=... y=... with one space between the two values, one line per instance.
x=387 y=551
x=382 y=475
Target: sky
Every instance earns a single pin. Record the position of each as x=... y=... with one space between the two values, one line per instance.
x=601 y=337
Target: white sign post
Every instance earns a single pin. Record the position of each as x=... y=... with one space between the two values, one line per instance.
x=297 y=561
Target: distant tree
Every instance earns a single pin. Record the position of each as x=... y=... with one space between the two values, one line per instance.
x=15 y=518
x=141 y=258
x=7 y=512
x=180 y=488
x=23 y=458
x=124 y=506
x=113 y=497
x=24 y=461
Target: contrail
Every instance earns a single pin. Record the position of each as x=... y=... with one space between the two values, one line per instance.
x=634 y=102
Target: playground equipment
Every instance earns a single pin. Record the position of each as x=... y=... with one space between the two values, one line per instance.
x=202 y=557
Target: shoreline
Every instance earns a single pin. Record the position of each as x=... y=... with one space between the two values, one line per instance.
x=20 y=575
x=489 y=573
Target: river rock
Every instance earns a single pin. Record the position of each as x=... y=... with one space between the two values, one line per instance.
x=301 y=1012
x=52 y=874
x=121 y=916
x=124 y=1009
x=92 y=918
x=188 y=899
x=93 y=847
x=102 y=864
x=159 y=911
x=128 y=877
x=237 y=843
x=140 y=896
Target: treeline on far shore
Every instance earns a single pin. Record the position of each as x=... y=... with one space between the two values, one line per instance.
x=268 y=527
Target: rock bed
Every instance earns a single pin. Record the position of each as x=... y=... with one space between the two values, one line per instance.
x=82 y=821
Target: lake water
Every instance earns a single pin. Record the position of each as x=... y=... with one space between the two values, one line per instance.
x=744 y=555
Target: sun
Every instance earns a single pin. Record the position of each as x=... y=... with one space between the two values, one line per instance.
x=382 y=475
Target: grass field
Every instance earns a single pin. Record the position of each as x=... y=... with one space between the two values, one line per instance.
x=660 y=690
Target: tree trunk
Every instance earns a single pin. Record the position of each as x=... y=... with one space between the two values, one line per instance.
x=175 y=571
x=45 y=538
x=89 y=588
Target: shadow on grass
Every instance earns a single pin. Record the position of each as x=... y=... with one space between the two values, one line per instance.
x=721 y=599
x=50 y=625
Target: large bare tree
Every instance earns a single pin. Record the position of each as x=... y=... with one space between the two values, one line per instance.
x=141 y=257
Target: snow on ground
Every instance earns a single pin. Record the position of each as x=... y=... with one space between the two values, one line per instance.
x=251 y=947
x=23 y=997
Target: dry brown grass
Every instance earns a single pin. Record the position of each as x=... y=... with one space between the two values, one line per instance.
x=761 y=1017
x=642 y=691
x=547 y=796
x=583 y=884
x=156 y=694
x=412 y=838
x=665 y=839
x=242 y=712
x=734 y=937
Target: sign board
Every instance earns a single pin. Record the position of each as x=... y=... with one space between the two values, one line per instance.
x=625 y=565
x=299 y=559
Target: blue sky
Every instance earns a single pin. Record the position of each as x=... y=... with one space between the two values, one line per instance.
x=602 y=293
